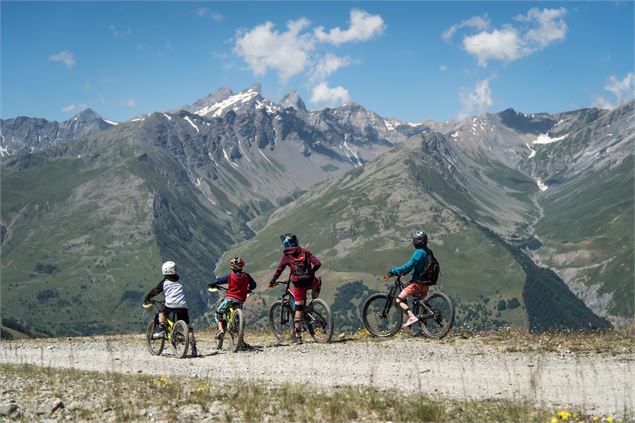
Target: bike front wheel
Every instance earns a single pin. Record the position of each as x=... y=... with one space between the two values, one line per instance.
x=319 y=320
x=155 y=345
x=180 y=339
x=281 y=320
x=380 y=316
x=438 y=315
x=237 y=330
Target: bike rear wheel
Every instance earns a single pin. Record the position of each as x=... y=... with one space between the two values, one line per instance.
x=155 y=345
x=180 y=339
x=281 y=320
x=319 y=320
x=381 y=317
x=237 y=330
x=438 y=324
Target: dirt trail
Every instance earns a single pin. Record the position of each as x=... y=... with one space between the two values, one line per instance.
x=597 y=383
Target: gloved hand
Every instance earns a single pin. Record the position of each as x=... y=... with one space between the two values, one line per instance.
x=391 y=273
x=271 y=284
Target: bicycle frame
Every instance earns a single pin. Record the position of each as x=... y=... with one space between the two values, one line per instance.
x=229 y=314
x=418 y=302
x=287 y=298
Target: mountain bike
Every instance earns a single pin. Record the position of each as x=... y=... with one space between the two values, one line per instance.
x=233 y=322
x=316 y=317
x=176 y=333
x=383 y=318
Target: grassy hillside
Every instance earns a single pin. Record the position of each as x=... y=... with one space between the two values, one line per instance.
x=359 y=227
x=593 y=252
x=86 y=228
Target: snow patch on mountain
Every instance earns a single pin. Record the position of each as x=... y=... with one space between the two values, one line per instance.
x=533 y=152
x=240 y=148
x=217 y=109
x=187 y=118
x=266 y=158
x=541 y=185
x=546 y=139
x=111 y=122
x=167 y=116
x=227 y=158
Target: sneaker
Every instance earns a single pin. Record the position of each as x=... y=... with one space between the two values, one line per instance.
x=296 y=340
x=411 y=321
x=159 y=334
x=220 y=335
x=194 y=352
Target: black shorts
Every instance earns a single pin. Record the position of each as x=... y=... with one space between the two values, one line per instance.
x=181 y=313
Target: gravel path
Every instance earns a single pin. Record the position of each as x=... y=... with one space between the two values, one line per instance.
x=463 y=369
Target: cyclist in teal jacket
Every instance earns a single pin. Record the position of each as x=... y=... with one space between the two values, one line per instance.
x=415 y=265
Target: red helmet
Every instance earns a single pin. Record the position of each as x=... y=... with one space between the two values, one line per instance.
x=236 y=264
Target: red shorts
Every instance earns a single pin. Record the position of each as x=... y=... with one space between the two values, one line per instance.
x=415 y=288
x=299 y=294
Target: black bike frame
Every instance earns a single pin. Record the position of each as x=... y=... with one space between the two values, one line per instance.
x=394 y=291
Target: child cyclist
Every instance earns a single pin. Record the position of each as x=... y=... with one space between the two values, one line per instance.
x=417 y=285
x=172 y=287
x=239 y=284
x=302 y=265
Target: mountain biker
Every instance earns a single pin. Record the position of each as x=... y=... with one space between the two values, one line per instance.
x=302 y=265
x=239 y=284
x=417 y=284
x=172 y=289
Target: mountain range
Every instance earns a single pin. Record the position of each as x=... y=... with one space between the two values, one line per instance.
x=88 y=214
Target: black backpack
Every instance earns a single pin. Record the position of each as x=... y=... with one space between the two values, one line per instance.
x=302 y=268
x=431 y=268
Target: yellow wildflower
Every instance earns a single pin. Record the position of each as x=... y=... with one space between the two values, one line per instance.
x=596 y=418
x=554 y=420
x=564 y=415
x=609 y=419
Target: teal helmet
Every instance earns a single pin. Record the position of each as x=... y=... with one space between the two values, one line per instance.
x=289 y=240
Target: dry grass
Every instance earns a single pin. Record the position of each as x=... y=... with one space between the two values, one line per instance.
x=117 y=397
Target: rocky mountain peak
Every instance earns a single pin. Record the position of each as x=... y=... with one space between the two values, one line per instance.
x=87 y=115
x=293 y=100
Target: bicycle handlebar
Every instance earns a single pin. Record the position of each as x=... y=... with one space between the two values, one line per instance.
x=152 y=302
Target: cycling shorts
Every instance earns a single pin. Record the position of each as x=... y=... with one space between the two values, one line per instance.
x=181 y=313
x=299 y=294
x=415 y=288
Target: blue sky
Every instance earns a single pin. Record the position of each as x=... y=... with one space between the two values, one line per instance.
x=410 y=60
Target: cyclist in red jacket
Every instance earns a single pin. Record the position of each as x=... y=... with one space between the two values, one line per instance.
x=239 y=284
x=302 y=265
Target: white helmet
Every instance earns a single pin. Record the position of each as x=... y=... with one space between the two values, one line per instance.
x=168 y=268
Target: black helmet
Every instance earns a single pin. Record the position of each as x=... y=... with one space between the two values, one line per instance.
x=419 y=239
x=289 y=240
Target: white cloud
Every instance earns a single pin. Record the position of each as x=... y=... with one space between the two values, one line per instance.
x=622 y=89
x=323 y=94
x=65 y=57
x=73 y=107
x=477 y=100
x=211 y=14
x=504 y=45
x=550 y=28
x=265 y=48
x=533 y=32
x=363 y=26
x=443 y=68
x=327 y=65
x=131 y=102
x=477 y=22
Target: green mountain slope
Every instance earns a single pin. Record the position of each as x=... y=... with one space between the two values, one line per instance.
x=357 y=226
x=86 y=226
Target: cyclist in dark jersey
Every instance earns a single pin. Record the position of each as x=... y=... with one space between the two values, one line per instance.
x=302 y=265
